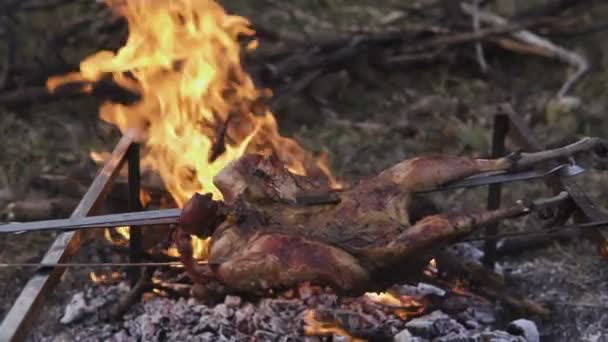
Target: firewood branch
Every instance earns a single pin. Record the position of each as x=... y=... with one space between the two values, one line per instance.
x=523 y=160
x=545 y=47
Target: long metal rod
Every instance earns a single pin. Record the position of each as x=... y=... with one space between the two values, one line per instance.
x=99 y=264
x=142 y=218
x=171 y=216
x=25 y=310
x=135 y=238
x=495 y=178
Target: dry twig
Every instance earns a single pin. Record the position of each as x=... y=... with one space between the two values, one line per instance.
x=478 y=45
x=546 y=47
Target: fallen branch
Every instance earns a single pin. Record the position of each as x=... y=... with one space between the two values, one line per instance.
x=548 y=48
x=478 y=46
x=523 y=244
x=486 y=283
x=104 y=90
x=37 y=210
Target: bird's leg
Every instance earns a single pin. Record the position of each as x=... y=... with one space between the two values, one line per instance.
x=427 y=173
x=199 y=273
x=435 y=229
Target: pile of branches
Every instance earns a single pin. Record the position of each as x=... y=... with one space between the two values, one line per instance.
x=288 y=62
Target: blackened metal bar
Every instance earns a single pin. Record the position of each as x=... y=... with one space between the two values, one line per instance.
x=521 y=133
x=507 y=177
x=501 y=127
x=584 y=206
x=21 y=316
x=142 y=218
x=135 y=243
x=587 y=211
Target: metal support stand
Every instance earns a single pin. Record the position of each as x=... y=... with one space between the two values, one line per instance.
x=501 y=128
x=19 y=320
x=582 y=205
x=135 y=238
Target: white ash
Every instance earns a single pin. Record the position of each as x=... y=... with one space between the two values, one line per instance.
x=281 y=318
x=525 y=328
x=420 y=290
x=89 y=302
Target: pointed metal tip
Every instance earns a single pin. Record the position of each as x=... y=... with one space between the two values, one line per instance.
x=572 y=170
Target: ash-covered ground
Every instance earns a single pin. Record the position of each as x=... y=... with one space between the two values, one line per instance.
x=81 y=310
x=307 y=314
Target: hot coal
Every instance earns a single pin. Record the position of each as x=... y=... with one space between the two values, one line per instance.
x=284 y=317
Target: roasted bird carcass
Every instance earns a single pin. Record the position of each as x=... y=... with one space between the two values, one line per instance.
x=262 y=238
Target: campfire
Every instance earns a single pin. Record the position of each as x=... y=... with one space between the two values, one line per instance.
x=263 y=225
x=198 y=109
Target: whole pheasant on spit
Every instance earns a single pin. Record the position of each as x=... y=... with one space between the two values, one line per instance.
x=262 y=238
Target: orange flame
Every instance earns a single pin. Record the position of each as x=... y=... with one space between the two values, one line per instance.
x=118 y=235
x=184 y=59
x=111 y=278
x=460 y=287
x=315 y=327
x=404 y=306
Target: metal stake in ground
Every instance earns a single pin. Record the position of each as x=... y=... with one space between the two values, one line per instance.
x=135 y=243
x=501 y=127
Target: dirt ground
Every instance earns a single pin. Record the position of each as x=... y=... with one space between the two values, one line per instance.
x=366 y=124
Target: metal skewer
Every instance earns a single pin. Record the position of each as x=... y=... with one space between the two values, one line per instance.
x=142 y=218
x=96 y=264
x=562 y=170
x=171 y=216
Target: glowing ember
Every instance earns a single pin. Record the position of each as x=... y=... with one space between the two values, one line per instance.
x=604 y=249
x=403 y=306
x=144 y=198
x=383 y=298
x=111 y=278
x=200 y=248
x=184 y=58
x=118 y=235
x=460 y=287
x=316 y=326
x=99 y=157
x=431 y=268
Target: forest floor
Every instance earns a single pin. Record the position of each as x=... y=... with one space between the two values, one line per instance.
x=370 y=119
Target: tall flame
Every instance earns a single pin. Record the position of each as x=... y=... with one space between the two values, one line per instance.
x=184 y=58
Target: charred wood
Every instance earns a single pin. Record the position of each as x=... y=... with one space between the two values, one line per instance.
x=487 y=283
x=518 y=245
x=104 y=90
x=143 y=285
x=36 y=210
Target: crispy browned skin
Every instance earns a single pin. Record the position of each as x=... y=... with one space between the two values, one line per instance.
x=262 y=239
x=267 y=241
